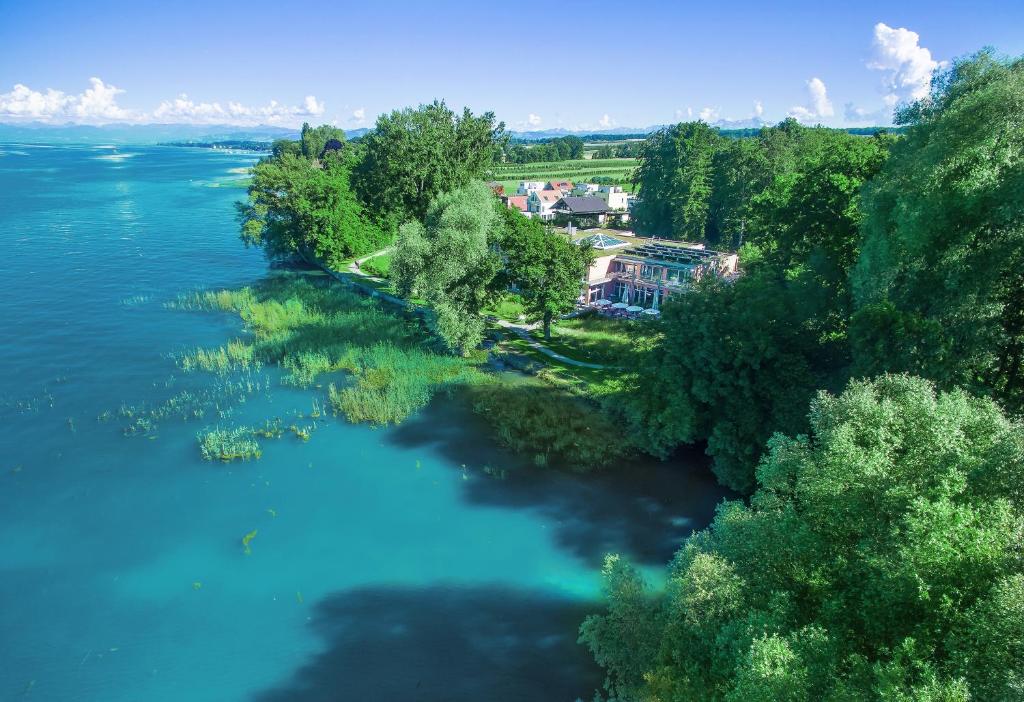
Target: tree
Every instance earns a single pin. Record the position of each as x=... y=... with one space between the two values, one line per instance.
x=303 y=206
x=449 y=261
x=674 y=177
x=877 y=560
x=547 y=268
x=412 y=156
x=313 y=140
x=939 y=284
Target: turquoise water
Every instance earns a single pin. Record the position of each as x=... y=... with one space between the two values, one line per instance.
x=386 y=566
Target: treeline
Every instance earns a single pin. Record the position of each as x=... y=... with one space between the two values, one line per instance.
x=878 y=556
x=240 y=144
x=565 y=148
x=631 y=149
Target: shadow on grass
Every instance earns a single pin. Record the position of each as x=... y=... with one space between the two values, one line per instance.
x=642 y=508
x=459 y=644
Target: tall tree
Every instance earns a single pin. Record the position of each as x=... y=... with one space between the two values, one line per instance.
x=412 y=156
x=940 y=281
x=674 y=178
x=449 y=261
x=303 y=206
x=877 y=560
x=546 y=268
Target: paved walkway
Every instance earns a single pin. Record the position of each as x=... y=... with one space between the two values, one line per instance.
x=520 y=330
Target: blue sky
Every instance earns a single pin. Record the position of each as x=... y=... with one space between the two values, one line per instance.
x=590 y=65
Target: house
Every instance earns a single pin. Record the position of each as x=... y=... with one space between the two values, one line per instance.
x=518 y=202
x=646 y=272
x=496 y=187
x=525 y=186
x=584 y=189
x=540 y=202
x=580 y=211
x=614 y=197
x=563 y=185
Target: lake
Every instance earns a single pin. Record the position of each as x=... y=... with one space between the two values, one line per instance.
x=386 y=564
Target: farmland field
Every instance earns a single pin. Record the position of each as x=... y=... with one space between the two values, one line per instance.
x=581 y=170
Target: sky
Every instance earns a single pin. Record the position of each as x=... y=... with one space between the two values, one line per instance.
x=587 y=65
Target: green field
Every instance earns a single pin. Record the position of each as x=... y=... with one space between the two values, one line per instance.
x=578 y=171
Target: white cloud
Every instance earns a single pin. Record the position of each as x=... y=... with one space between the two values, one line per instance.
x=182 y=110
x=906 y=65
x=98 y=104
x=533 y=120
x=758 y=109
x=358 y=115
x=818 y=105
x=709 y=114
x=688 y=113
x=605 y=122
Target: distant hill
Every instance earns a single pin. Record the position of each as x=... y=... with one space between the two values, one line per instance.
x=730 y=128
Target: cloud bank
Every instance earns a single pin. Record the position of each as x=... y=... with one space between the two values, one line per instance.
x=97 y=104
x=818 y=105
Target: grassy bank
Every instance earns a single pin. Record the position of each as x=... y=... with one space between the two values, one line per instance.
x=380 y=366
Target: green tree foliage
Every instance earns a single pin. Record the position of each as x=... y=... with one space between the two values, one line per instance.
x=450 y=263
x=412 y=156
x=940 y=282
x=303 y=206
x=674 y=178
x=745 y=358
x=547 y=269
x=879 y=559
x=313 y=139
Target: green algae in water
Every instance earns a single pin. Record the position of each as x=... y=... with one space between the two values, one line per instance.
x=247 y=539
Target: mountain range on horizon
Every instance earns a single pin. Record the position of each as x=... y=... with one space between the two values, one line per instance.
x=71 y=133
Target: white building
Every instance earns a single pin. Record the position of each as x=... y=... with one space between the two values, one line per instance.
x=540 y=202
x=614 y=196
x=585 y=189
x=528 y=186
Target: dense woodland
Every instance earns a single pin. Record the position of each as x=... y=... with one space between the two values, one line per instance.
x=860 y=384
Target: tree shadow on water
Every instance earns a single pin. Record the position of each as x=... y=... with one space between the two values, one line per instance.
x=456 y=644
x=641 y=508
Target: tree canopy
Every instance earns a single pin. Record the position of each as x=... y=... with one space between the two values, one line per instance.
x=878 y=559
x=414 y=155
x=940 y=282
x=303 y=205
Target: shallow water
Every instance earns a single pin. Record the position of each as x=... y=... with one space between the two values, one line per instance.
x=387 y=565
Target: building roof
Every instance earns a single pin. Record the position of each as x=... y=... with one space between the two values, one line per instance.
x=602 y=241
x=582 y=205
x=548 y=195
x=518 y=202
x=559 y=185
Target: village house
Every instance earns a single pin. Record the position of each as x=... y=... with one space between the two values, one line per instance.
x=527 y=186
x=585 y=189
x=517 y=202
x=563 y=186
x=614 y=197
x=579 y=211
x=540 y=202
x=645 y=272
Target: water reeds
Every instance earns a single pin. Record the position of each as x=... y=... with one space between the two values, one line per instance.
x=228 y=445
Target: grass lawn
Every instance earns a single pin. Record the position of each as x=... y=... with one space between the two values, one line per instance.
x=379 y=266
x=596 y=339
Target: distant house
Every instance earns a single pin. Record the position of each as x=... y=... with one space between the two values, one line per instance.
x=565 y=186
x=526 y=186
x=580 y=211
x=496 y=187
x=584 y=189
x=614 y=197
x=540 y=202
x=518 y=202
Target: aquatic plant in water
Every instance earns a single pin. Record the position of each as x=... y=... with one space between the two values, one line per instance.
x=247 y=539
x=228 y=445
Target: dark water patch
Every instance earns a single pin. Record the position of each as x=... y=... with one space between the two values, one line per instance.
x=456 y=644
x=642 y=507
